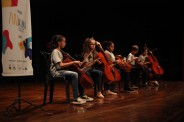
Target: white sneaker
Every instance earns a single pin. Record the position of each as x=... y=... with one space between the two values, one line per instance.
x=134 y=87
x=156 y=83
x=78 y=101
x=88 y=99
x=108 y=92
x=100 y=95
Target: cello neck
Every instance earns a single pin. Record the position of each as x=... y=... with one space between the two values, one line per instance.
x=103 y=52
x=86 y=57
x=150 y=52
x=66 y=54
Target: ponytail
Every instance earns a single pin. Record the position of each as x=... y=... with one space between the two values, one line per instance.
x=54 y=42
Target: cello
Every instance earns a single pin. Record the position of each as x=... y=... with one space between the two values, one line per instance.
x=158 y=70
x=112 y=75
x=123 y=64
x=85 y=80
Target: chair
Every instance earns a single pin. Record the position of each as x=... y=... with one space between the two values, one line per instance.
x=51 y=79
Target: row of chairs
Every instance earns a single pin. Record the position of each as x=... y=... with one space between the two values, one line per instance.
x=49 y=79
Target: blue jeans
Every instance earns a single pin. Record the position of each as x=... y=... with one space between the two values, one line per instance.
x=73 y=76
x=96 y=76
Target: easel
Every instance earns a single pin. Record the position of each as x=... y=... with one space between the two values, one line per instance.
x=18 y=102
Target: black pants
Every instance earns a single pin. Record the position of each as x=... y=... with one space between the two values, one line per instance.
x=135 y=76
x=145 y=73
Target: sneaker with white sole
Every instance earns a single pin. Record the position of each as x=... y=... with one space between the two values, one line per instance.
x=78 y=101
x=128 y=90
x=100 y=95
x=108 y=92
x=156 y=83
x=134 y=87
x=88 y=99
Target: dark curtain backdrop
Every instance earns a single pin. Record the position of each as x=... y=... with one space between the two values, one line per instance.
x=156 y=24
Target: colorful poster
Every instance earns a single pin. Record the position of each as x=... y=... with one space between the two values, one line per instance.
x=16 y=38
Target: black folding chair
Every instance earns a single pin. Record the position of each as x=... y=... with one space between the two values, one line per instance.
x=50 y=79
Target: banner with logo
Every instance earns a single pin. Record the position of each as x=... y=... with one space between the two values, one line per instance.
x=16 y=38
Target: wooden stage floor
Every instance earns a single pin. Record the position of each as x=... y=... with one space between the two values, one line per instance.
x=159 y=104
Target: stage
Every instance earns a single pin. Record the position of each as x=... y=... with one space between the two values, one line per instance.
x=158 y=104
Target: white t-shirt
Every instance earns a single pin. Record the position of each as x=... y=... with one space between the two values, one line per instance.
x=90 y=59
x=56 y=57
x=142 y=58
x=111 y=55
x=130 y=57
